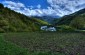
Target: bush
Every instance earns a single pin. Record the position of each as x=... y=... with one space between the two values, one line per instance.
x=12 y=29
x=66 y=28
x=1 y=30
x=3 y=23
x=78 y=22
x=1 y=6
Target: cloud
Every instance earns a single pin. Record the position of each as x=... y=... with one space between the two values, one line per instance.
x=38 y=6
x=66 y=6
x=56 y=8
x=29 y=11
x=13 y=4
x=38 y=12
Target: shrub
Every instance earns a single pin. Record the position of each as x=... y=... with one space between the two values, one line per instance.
x=1 y=30
x=12 y=29
x=78 y=22
x=1 y=6
x=66 y=28
x=3 y=23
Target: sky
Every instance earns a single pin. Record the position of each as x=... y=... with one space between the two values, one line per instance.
x=44 y=7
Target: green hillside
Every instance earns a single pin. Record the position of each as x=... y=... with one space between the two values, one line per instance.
x=11 y=21
x=75 y=20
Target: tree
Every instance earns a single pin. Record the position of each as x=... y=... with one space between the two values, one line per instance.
x=78 y=22
x=1 y=6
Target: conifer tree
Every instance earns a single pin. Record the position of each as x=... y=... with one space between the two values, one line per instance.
x=1 y=6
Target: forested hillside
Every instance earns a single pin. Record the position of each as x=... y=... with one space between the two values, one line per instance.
x=75 y=20
x=11 y=21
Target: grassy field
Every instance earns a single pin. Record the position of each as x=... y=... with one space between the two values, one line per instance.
x=8 y=48
x=47 y=43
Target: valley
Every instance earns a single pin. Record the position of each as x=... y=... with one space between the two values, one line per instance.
x=46 y=35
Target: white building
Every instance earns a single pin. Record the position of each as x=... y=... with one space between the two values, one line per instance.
x=51 y=29
x=46 y=28
x=43 y=27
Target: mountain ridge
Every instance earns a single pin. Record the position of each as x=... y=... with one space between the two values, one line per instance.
x=11 y=21
x=75 y=20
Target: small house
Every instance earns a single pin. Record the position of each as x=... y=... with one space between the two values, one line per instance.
x=46 y=28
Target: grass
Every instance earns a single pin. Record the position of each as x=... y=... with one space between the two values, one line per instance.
x=49 y=43
x=7 y=48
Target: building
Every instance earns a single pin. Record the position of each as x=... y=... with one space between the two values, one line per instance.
x=46 y=28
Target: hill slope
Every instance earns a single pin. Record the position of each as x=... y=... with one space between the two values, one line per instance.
x=48 y=19
x=13 y=21
x=76 y=20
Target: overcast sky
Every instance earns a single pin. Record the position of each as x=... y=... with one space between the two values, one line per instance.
x=44 y=7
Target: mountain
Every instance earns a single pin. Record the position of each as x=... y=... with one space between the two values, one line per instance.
x=48 y=19
x=11 y=21
x=76 y=20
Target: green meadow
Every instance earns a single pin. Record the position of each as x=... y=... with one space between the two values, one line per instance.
x=42 y=43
